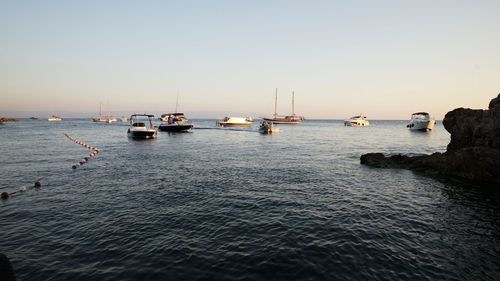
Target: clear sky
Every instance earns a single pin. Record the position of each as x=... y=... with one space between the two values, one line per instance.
x=385 y=59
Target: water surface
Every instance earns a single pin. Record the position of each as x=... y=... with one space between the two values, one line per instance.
x=233 y=204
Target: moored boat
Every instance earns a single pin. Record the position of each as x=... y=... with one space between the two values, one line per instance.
x=234 y=122
x=141 y=127
x=421 y=121
x=54 y=118
x=175 y=122
x=103 y=119
x=267 y=127
x=290 y=119
x=357 y=121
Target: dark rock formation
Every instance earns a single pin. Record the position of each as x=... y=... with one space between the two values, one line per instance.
x=6 y=271
x=472 y=154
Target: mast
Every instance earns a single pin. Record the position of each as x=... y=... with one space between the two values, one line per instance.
x=293 y=103
x=100 y=109
x=177 y=103
x=276 y=104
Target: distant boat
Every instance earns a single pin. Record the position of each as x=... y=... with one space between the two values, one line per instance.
x=267 y=127
x=4 y=119
x=124 y=119
x=421 y=121
x=54 y=118
x=234 y=122
x=33 y=118
x=175 y=122
x=290 y=119
x=141 y=127
x=103 y=119
x=357 y=121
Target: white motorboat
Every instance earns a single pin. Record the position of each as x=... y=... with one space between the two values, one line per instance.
x=141 y=127
x=235 y=122
x=267 y=127
x=421 y=121
x=175 y=122
x=54 y=118
x=357 y=121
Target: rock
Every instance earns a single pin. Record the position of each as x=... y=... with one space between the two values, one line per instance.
x=6 y=271
x=472 y=154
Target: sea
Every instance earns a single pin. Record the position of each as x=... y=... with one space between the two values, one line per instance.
x=235 y=204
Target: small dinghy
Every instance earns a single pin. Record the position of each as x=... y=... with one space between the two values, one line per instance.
x=267 y=127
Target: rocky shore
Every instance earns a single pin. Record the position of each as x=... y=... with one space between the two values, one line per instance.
x=473 y=152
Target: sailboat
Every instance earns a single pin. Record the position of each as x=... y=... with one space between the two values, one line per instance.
x=290 y=119
x=103 y=119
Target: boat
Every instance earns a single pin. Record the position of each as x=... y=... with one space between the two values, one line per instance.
x=33 y=118
x=175 y=122
x=124 y=119
x=290 y=119
x=421 y=121
x=267 y=127
x=357 y=121
x=234 y=122
x=141 y=127
x=103 y=119
x=54 y=118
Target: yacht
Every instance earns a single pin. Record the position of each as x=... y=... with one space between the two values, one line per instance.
x=357 y=121
x=54 y=118
x=290 y=119
x=141 y=127
x=267 y=127
x=235 y=122
x=421 y=121
x=175 y=122
x=103 y=119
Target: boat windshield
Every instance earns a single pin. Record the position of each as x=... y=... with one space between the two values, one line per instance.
x=420 y=115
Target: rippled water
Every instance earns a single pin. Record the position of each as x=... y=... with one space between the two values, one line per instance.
x=228 y=204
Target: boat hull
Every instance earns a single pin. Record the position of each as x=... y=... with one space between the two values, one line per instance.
x=222 y=124
x=175 y=128
x=142 y=134
x=356 y=123
x=268 y=130
x=282 y=121
x=426 y=125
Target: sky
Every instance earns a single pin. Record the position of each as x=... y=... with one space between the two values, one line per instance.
x=385 y=59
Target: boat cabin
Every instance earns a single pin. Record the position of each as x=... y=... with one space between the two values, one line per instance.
x=420 y=115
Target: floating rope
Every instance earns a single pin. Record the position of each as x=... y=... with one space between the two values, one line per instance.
x=6 y=195
x=37 y=184
x=85 y=159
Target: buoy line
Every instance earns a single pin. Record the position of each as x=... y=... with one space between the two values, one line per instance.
x=6 y=195
x=85 y=159
x=37 y=184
